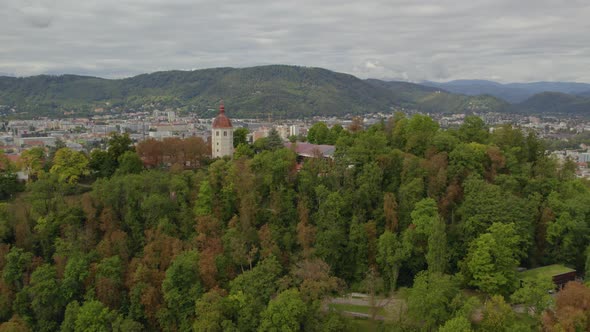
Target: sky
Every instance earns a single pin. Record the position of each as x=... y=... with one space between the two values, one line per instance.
x=413 y=40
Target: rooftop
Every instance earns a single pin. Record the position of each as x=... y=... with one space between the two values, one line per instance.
x=311 y=150
x=546 y=271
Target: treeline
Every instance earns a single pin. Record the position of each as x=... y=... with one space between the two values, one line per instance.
x=253 y=244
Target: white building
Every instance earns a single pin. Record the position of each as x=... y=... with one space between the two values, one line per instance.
x=222 y=135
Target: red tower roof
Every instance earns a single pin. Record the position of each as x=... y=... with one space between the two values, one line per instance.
x=221 y=121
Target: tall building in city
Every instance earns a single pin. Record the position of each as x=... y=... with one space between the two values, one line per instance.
x=222 y=135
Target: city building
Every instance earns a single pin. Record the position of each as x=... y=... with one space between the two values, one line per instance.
x=222 y=135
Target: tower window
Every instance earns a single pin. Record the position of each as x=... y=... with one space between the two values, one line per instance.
x=216 y=133
x=217 y=143
x=224 y=133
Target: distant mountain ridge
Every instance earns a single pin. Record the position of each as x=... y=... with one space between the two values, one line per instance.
x=279 y=91
x=511 y=92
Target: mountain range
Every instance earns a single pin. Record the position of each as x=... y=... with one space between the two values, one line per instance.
x=511 y=92
x=280 y=91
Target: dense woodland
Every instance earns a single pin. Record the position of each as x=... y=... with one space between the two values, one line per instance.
x=160 y=237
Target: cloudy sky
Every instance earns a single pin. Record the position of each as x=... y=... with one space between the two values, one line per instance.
x=502 y=40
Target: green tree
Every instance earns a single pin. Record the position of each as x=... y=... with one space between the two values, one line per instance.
x=473 y=129
x=118 y=144
x=331 y=236
x=491 y=262
x=47 y=301
x=274 y=140
x=391 y=253
x=181 y=288
x=285 y=312
x=33 y=161
x=211 y=310
x=318 y=134
x=101 y=164
x=129 y=163
x=456 y=324
x=240 y=136
x=17 y=261
x=535 y=294
x=251 y=291
x=437 y=256
x=498 y=316
x=421 y=129
x=430 y=297
x=69 y=165
x=76 y=271
x=94 y=316
x=204 y=199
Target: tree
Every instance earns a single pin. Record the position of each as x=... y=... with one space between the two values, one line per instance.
x=456 y=324
x=76 y=271
x=491 y=262
x=421 y=129
x=318 y=134
x=391 y=254
x=535 y=294
x=572 y=309
x=430 y=297
x=69 y=165
x=109 y=280
x=17 y=261
x=498 y=316
x=94 y=316
x=118 y=144
x=181 y=288
x=46 y=299
x=274 y=140
x=33 y=161
x=425 y=216
x=437 y=256
x=101 y=163
x=331 y=236
x=315 y=280
x=240 y=136
x=251 y=291
x=15 y=324
x=356 y=125
x=129 y=163
x=211 y=310
x=284 y=313
x=473 y=129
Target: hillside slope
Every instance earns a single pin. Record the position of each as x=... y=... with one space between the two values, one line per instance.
x=277 y=90
x=555 y=102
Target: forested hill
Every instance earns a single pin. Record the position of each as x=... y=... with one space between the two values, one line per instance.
x=278 y=90
x=158 y=237
x=555 y=102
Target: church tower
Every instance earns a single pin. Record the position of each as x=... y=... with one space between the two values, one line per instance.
x=222 y=135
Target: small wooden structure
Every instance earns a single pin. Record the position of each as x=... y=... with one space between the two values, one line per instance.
x=560 y=274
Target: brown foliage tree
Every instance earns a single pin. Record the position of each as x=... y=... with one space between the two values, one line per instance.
x=189 y=152
x=305 y=231
x=210 y=246
x=390 y=209
x=572 y=310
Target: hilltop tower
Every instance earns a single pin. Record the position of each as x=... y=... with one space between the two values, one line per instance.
x=222 y=135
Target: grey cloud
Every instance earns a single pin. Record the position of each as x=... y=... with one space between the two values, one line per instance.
x=402 y=39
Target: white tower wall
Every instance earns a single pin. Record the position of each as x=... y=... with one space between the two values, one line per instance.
x=222 y=142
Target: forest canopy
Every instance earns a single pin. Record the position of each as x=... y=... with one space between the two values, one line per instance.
x=160 y=237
